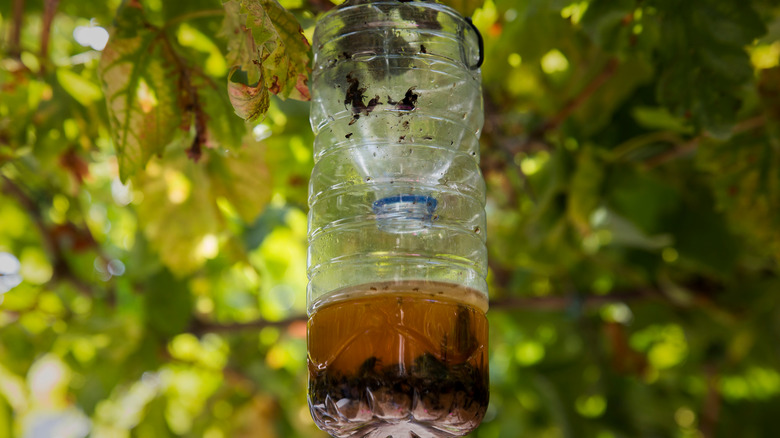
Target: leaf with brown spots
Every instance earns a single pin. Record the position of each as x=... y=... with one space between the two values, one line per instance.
x=267 y=47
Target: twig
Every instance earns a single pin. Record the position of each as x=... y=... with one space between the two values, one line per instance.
x=14 y=44
x=711 y=408
x=623 y=151
x=49 y=10
x=537 y=135
x=188 y=101
x=693 y=144
x=60 y=268
x=676 y=152
x=555 y=121
x=320 y=5
x=34 y=212
x=490 y=164
x=562 y=302
x=200 y=326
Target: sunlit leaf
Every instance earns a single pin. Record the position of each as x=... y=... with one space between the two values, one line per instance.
x=83 y=90
x=177 y=212
x=706 y=61
x=465 y=7
x=585 y=192
x=243 y=179
x=167 y=304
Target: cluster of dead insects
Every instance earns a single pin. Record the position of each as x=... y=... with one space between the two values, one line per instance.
x=430 y=388
x=409 y=101
x=355 y=97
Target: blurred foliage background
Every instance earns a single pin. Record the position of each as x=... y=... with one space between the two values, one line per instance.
x=632 y=155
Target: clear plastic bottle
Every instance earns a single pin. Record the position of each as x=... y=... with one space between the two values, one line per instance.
x=397 y=334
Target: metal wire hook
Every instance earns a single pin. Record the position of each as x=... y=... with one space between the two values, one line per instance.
x=481 y=45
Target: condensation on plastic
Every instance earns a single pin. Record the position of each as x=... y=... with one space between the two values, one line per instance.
x=397 y=112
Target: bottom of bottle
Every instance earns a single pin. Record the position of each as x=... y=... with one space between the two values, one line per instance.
x=383 y=402
x=408 y=362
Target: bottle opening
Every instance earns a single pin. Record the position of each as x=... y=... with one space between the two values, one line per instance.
x=404 y=213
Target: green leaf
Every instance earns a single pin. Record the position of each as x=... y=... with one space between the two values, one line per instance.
x=167 y=304
x=284 y=51
x=80 y=88
x=606 y=22
x=585 y=189
x=240 y=43
x=243 y=179
x=745 y=177
x=140 y=85
x=465 y=7
x=598 y=110
x=702 y=235
x=626 y=233
x=660 y=119
x=225 y=130
x=645 y=201
x=700 y=45
x=179 y=211
x=704 y=59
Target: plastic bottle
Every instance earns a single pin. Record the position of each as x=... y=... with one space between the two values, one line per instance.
x=397 y=334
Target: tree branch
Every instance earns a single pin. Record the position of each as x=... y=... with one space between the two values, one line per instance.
x=690 y=146
x=674 y=153
x=563 y=302
x=711 y=408
x=577 y=101
x=189 y=102
x=536 y=136
x=15 y=38
x=49 y=10
x=320 y=5
x=10 y=188
x=60 y=268
x=551 y=303
x=200 y=327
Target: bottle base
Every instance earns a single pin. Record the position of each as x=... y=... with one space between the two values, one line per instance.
x=430 y=400
x=333 y=422
x=382 y=429
x=398 y=365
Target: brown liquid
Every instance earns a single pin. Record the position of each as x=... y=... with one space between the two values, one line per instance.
x=400 y=360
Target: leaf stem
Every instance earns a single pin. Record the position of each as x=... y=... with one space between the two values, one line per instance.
x=622 y=150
